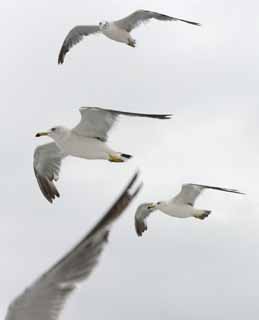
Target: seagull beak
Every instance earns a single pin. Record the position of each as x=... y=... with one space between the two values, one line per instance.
x=39 y=134
x=151 y=206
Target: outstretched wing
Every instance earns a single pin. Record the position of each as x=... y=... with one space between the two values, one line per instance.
x=143 y=211
x=190 y=192
x=46 y=163
x=46 y=297
x=96 y=122
x=73 y=37
x=140 y=16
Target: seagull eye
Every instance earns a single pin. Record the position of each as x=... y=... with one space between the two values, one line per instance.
x=53 y=129
x=159 y=203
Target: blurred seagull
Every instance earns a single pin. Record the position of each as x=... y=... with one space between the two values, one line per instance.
x=46 y=297
x=87 y=140
x=181 y=206
x=116 y=30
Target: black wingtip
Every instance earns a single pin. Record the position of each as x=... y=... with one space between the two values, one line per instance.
x=118 y=206
x=191 y=22
x=168 y=116
x=61 y=56
x=161 y=116
x=239 y=192
x=133 y=179
x=60 y=60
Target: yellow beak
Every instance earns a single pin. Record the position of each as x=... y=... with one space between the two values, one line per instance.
x=151 y=206
x=39 y=134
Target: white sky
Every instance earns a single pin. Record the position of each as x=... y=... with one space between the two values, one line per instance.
x=208 y=78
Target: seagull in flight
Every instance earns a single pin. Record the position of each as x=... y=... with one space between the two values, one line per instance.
x=46 y=297
x=116 y=30
x=181 y=206
x=87 y=140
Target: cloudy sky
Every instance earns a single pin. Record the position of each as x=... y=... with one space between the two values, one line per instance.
x=208 y=78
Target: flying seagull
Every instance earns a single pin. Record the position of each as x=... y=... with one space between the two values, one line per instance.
x=87 y=140
x=116 y=30
x=46 y=297
x=181 y=206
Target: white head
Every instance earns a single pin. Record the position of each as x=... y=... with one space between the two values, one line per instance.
x=57 y=133
x=157 y=205
x=103 y=25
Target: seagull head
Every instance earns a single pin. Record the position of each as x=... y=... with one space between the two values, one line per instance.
x=56 y=133
x=103 y=25
x=156 y=205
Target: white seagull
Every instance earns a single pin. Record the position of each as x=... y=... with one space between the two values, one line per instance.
x=87 y=140
x=181 y=206
x=46 y=297
x=116 y=30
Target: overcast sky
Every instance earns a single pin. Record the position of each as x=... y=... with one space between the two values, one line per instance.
x=208 y=78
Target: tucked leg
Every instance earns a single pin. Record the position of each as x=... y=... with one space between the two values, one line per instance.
x=132 y=43
x=203 y=215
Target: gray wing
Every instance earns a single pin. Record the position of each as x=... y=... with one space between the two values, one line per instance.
x=190 y=192
x=140 y=218
x=45 y=298
x=96 y=122
x=46 y=163
x=73 y=37
x=136 y=18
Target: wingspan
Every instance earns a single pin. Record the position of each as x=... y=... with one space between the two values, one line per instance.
x=143 y=211
x=46 y=163
x=218 y=188
x=45 y=298
x=97 y=122
x=73 y=37
x=141 y=16
x=190 y=192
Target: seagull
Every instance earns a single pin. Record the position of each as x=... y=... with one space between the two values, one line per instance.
x=116 y=30
x=181 y=206
x=46 y=297
x=87 y=140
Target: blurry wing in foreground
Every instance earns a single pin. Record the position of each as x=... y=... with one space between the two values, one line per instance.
x=46 y=163
x=190 y=192
x=96 y=122
x=140 y=218
x=73 y=37
x=45 y=299
x=136 y=18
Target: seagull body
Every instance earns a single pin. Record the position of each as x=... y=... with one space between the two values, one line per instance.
x=87 y=140
x=181 y=206
x=79 y=146
x=179 y=210
x=115 y=30
x=112 y=31
x=46 y=297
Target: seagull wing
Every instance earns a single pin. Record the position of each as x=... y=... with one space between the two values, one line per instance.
x=140 y=218
x=45 y=298
x=140 y=16
x=190 y=192
x=96 y=122
x=46 y=163
x=73 y=37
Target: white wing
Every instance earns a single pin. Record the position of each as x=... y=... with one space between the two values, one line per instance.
x=143 y=211
x=45 y=298
x=46 y=164
x=96 y=122
x=136 y=18
x=73 y=37
x=190 y=192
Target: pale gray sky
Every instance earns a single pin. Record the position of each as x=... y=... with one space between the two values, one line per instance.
x=207 y=77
